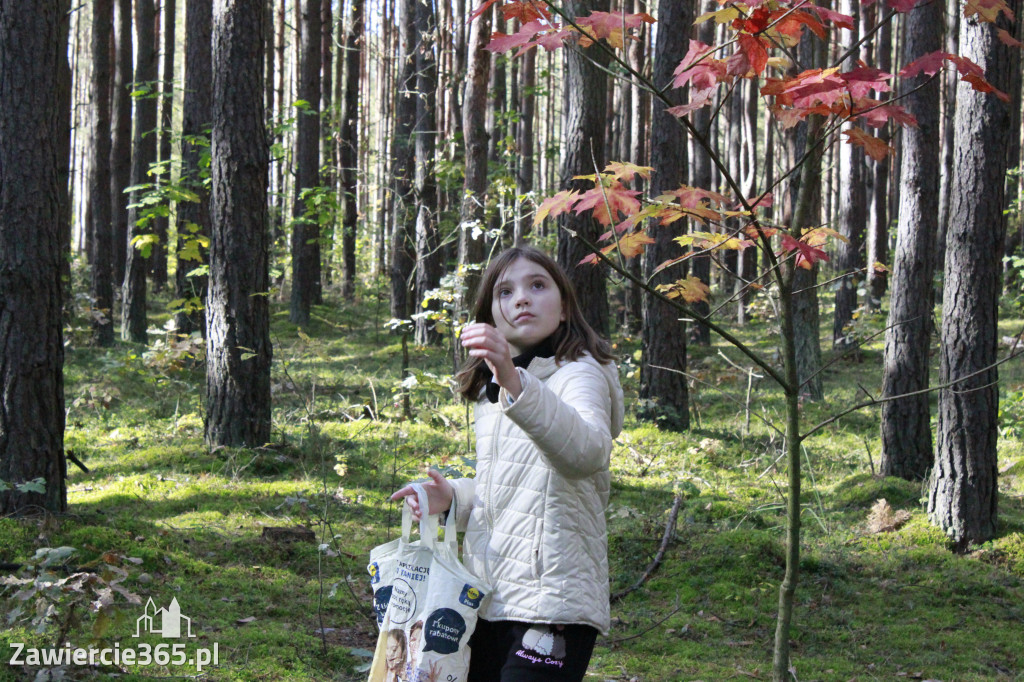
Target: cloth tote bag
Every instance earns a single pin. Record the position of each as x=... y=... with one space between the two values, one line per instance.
x=383 y=560
x=432 y=612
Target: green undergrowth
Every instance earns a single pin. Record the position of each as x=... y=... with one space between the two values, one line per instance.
x=219 y=530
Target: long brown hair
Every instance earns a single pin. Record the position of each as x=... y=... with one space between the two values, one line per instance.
x=572 y=339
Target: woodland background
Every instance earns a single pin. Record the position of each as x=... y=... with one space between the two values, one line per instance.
x=239 y=315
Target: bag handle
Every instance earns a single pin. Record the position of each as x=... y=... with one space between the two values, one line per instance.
x=429 y=523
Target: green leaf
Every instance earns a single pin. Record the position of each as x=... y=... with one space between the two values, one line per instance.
x=36 y=485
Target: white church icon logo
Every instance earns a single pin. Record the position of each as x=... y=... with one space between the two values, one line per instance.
x=164 y=622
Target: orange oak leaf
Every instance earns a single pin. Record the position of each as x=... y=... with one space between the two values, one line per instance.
x=698 y=100
x=840 y=20
x=691 y=290
x=525 y=12
x=1007 y=39
x=987 y=10
x=633 y=244
x=627 y=171
x=806 y=256
x=930 y=64
x=863 y=79
x=700 y=68
x=553 y=206
x=873 y=146
x=618 y=198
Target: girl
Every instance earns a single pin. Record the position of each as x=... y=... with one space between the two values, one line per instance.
x=548 y=403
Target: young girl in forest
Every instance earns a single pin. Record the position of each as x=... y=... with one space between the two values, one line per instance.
x=548 y=403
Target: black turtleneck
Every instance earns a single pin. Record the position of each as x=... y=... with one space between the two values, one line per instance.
x=544 y=349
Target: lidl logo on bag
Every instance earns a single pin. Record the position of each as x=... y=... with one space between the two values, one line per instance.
x=374 y=570
x=471 y=596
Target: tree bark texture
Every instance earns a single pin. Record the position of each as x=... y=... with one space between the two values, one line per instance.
x=878 y=237
x=238 y=349
x=101 y=257
x=474 y=125
x=524 y=175
x=963 y=493
x=306 y=228
x=350 y=147
x=403 y=159
x=852 y=216
x=31 y=344
x=197 y=115
x=121 y=134
x=158 y=263
x=664 y=393
x=64 y=108
x=428 y=259
x=133 y=291
x=584 y=109
x=702 y=176
x=906 y=422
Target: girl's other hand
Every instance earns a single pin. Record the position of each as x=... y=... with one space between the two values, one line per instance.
x=439 y=495
x=485 y=341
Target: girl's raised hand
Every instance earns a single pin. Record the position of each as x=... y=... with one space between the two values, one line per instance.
x=485 y=341
x=439 y=495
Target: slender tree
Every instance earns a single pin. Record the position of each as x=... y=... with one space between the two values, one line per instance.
x=963 y=493
x=158 y=262
x=664 y=394
x=101 y=258
x=403 y=162
x=238 y=348
x=121 y=134
x=31 y=343
x=428 y=258
x=583 y=115
x=133 y=291
x=306 y=230
x=193 y=217
x=906 y=422
x=349 y=155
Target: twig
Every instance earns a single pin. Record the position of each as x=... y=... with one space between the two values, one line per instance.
x=670 y=527
x=613 y=642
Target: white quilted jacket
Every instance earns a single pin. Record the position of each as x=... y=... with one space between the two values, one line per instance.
x=535 y=513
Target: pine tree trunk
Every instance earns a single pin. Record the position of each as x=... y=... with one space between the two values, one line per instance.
x=878 y=239
x=702 y=176
x=583 y=115
x=158 y=263
x=63 y=148
x=527 y=108
x=428 y=262
x=350 y=147
x=471 y=246
x=193 y=218
x=31 y=344
x=949 y=88
x=100 y=235
x=121 y=135
x=906 y=422
x=306 y=229
x=664 y=394
x=133 y=292
x=963 y=492
x=238 y=349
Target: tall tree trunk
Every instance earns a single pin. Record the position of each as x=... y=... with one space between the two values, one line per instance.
x=878 y=238
x=197 y=114
x=121 y=134
x=238 y=348
x=963 y=492
x=906 y=422
x=133 y=292
x=350 y=147
x=31 y=344
x=268 y=56
x=527 y=108
x=64 y=108
x=852 y=215
x=584 y=113
x=100 y=233
x=305 y=228
x=428 y=261
x=158 y=263
x=471 y=243
x=327 y=131
x=664 y=394
x=949 y=89
x=702 y=176
x=403 y=159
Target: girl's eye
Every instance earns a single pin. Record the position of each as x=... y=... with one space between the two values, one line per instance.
x=538 y=284
x=504 y=292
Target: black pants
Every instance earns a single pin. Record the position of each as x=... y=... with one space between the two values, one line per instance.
x=507 y=651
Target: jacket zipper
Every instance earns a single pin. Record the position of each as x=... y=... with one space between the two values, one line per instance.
x=488 y=491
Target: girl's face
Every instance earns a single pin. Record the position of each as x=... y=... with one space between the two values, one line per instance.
x=526 y=305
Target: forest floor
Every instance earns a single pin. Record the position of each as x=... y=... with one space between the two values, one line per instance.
x=881 y=596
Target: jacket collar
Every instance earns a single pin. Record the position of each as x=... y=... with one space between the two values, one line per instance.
x=538 y=360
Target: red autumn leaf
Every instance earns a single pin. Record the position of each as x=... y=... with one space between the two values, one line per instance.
x=982 y=85
x=480 y=10
x=755 y=22
x=699 y=68
x=552 y=206
x=692 y=197
x=864 y=79
x=501 y=42
x=698 y=100
x=876 y=114
x=814 y=86
x=786 y=117
x=525 y=12
x=930 y=64
x=789 y=22
x=806 y=256
x=550 y=41
x=840 y=20
x=619 y=199
x=756 y=52
x=633 y=244
x=627 y=171
x=1006 y=39
x=764 y=201
x=607 y=23
x=873 y=146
